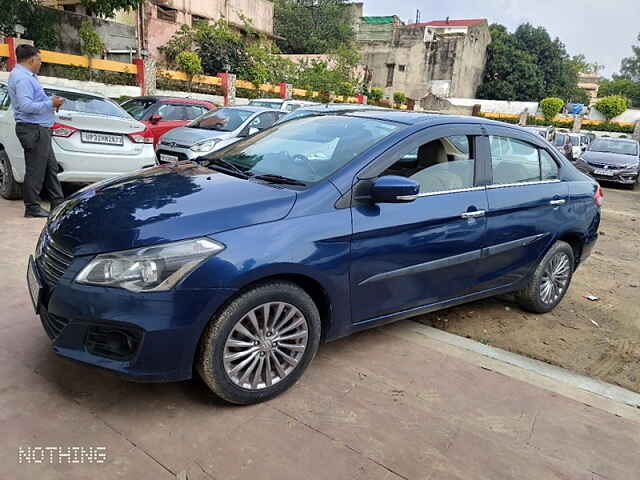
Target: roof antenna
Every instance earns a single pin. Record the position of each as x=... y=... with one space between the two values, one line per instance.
x=447 y=20
x=417 y=16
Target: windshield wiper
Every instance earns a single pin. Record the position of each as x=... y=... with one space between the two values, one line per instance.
x=227 y=167
x=269 y=177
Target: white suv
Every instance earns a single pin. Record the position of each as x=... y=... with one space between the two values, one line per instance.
x=93 y=139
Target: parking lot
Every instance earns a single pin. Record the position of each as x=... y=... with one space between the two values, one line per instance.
x=385 y=404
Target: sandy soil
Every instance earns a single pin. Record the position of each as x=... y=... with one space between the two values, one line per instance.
x=598 y=338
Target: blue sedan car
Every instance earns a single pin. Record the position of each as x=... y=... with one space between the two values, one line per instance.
x=239 y=265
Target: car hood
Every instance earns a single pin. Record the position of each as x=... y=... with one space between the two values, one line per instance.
x=190 y=136
x=604 y=158
x=163 y=204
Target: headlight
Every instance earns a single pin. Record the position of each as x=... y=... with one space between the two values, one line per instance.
x=205 y=146
x=156 y=268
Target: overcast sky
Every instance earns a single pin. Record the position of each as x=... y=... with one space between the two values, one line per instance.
x=603 y=30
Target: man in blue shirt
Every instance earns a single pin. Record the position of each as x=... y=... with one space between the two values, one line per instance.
x=33 y=112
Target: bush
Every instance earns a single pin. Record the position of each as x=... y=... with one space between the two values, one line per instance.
x=189 y=63
x=612 y=106
x=376 y=94
x=399 y=98
x=551 y=107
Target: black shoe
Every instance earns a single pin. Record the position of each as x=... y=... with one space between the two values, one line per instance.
x=35 y=212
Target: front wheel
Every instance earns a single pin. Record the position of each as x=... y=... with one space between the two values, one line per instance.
x=9 y=188
x=550 y=281
x=260 y=344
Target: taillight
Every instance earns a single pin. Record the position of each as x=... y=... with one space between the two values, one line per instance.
x=598 y=198
x=146 y=136
x=61 y=130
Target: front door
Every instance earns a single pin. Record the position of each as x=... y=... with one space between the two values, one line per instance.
x=409 y=255
x=527 y=204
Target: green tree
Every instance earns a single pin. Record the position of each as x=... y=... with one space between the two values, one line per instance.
x=90 y=43
x=376 y=94
x=621 y=86
x=319 y=26
x=189 y=63
x=551 y=107
x=630 y=67
x=399 y=98
x=612 y=106
x=39 y=23
x=527 y=65
x=108 y=8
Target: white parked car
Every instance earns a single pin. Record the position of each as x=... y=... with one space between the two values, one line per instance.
x=579 y=144
x=93 y=139
x=281 y=104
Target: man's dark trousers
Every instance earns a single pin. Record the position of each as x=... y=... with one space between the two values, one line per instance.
x=41 y=167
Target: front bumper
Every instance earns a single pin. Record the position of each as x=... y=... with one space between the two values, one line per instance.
x=160 y=331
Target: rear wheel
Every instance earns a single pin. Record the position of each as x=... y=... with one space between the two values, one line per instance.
x=9 y=188
x=550 y=281
x=260 y=344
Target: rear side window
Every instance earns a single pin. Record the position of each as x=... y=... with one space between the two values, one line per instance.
x=514 y=161
x=194 y=111
x=170 y=112
x=548 y=166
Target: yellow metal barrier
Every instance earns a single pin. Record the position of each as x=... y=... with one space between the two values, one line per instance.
x=245 y=84
x=80 y=61
x=4 y=50
x=175 y=75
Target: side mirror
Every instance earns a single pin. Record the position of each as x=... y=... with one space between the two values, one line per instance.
x=155 y=118
x=394 y=189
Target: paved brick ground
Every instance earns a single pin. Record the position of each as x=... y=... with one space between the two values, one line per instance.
x=378 y=405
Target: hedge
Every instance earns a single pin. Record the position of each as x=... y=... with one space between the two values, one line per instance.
x=589 y=125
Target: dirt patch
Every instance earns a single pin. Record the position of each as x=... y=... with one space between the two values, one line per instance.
x=598 y=338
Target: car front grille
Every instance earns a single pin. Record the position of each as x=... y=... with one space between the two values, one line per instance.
x=52 y=324
x=174 y=144
x=52 y=260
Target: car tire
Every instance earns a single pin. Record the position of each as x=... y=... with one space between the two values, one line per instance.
x=227 y=342
x=550 y=281
x=9 y=188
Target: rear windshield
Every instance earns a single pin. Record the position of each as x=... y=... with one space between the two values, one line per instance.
x=137 y=108
x=79 y=102
x=614 y=146
x=260 y=103
x=560 y=138
x=222 y=120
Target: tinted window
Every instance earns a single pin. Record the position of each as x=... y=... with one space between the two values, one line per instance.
x=438 y=166
x=548 y=166
x=137 y=108
x=223 y=119
x=3 y=94
x=194 y=111
x=308 y=149
x=513 y=161
x=78 y=102
x=169 y=112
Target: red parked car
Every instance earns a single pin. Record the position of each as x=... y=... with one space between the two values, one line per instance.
x=161 y=114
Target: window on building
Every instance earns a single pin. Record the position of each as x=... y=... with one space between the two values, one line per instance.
x=402 y=68
x=391 y=68
x=167 y=14
x=197 y=18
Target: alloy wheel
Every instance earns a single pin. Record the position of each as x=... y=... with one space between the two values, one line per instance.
x=3 y=172
x=555 y=278
x=265 y=345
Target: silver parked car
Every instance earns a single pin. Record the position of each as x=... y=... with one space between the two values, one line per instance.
x=213 y=131
x=281 y=104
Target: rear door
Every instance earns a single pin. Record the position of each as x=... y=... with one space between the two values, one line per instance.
x=527 y=207
x=409 y=255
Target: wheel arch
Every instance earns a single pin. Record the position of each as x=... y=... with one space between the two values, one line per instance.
x=576 y=242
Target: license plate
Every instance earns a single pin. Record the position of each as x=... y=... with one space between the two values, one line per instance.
x=103 y=138
x=604 y=172
x=34 y=284
x=168 y=158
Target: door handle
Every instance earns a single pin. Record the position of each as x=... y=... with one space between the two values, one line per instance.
x=474 y=214
x=557 y=202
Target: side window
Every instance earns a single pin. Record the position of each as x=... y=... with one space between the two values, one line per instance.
x=548 y=166
x=193 y=111
x=171 y=112
x=137 y=108
x=264 y=120
x=440 y=165
x=513 y=161
x=3 y=94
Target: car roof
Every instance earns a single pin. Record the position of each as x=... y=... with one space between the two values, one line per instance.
x=71 y=90
x=166 y=98
x=253 y=108
x=339 y=107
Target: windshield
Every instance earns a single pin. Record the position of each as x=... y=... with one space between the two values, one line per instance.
x=223 y=120
x=308 y=149
x=78 y=102
x=614 y=146
x=137 y=108
x=265 y=104
x=560 y=138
